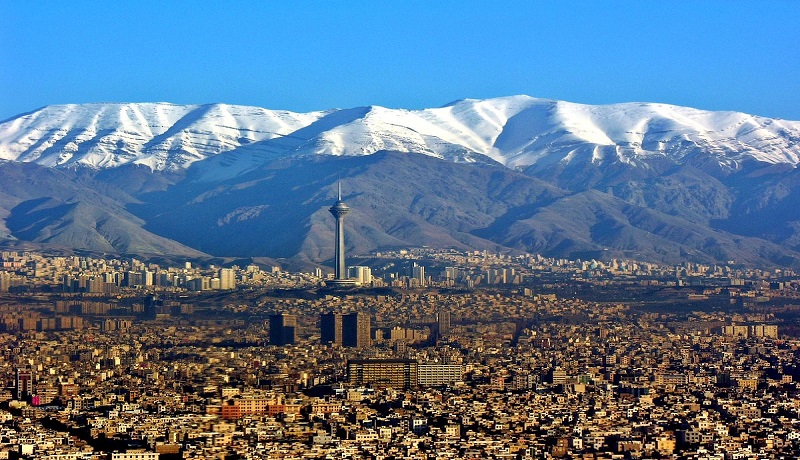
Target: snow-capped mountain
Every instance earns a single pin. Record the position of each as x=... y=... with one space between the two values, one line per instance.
x=159 y=135
x=516 y=131
x=639 y=180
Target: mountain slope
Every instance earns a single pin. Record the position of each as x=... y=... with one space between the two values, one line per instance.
x=596 y=225
x=402 y=200
x=282 y=208
x=62 y=209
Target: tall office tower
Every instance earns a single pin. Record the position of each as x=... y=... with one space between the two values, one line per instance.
x=418 y=273
x=227 y=278
x=23 y=384
x=330 y=326
x=362 y=275
x=339 y=210
x=443 y=318
x=282 y=329
x=356 y=328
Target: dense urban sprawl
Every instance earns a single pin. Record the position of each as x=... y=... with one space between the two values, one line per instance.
x=439 y=354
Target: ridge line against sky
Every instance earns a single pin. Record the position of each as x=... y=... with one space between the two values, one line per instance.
x=303 y=56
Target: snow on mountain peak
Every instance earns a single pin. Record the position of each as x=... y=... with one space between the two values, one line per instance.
x=517 y=131
x=159 y=135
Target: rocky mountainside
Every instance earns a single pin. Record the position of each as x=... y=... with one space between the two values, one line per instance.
x=68 y=210
x=645 y=181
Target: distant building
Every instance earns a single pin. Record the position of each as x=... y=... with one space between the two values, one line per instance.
x=418 y=274
x=435 y=374
x=382 y=373
x=443 y=321
x=5 y=281
x=227 y=278
x=202 y=283
x=330 y=325
x=362 y=275
x=348 y=330
x=558 y=376
x=134 y=455
x=755 y=330
x=282 y=329
x=356 y=328
x=23 y=383
x=764 y=330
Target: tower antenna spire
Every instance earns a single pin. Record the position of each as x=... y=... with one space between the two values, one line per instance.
x=339 y=182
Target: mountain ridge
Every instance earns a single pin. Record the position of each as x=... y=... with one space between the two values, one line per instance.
x=646 y=181
x=516 y=131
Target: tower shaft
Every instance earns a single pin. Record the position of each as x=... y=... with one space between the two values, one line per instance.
x=341 y=269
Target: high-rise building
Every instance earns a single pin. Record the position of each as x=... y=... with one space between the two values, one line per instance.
x=23 y=383
x=362 y=275
x=339 y=210
x=418 y=273
x=330 y=325
x=227 y=278
x=282 y=329
x=443 y=320
x=350 y=330
x=356 y=329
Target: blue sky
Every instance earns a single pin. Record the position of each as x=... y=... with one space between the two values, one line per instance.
x=304 y=55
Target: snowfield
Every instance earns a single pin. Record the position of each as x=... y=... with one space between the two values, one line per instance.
x=516 y=131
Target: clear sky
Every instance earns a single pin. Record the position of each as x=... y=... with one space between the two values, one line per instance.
x=313 y=55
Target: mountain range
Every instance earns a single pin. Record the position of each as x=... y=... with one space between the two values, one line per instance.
x=647 y=181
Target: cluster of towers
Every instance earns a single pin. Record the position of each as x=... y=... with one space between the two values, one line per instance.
x=347 y=330
x=344 y=329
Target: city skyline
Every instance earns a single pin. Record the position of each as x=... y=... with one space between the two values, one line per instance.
x=578 y=359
